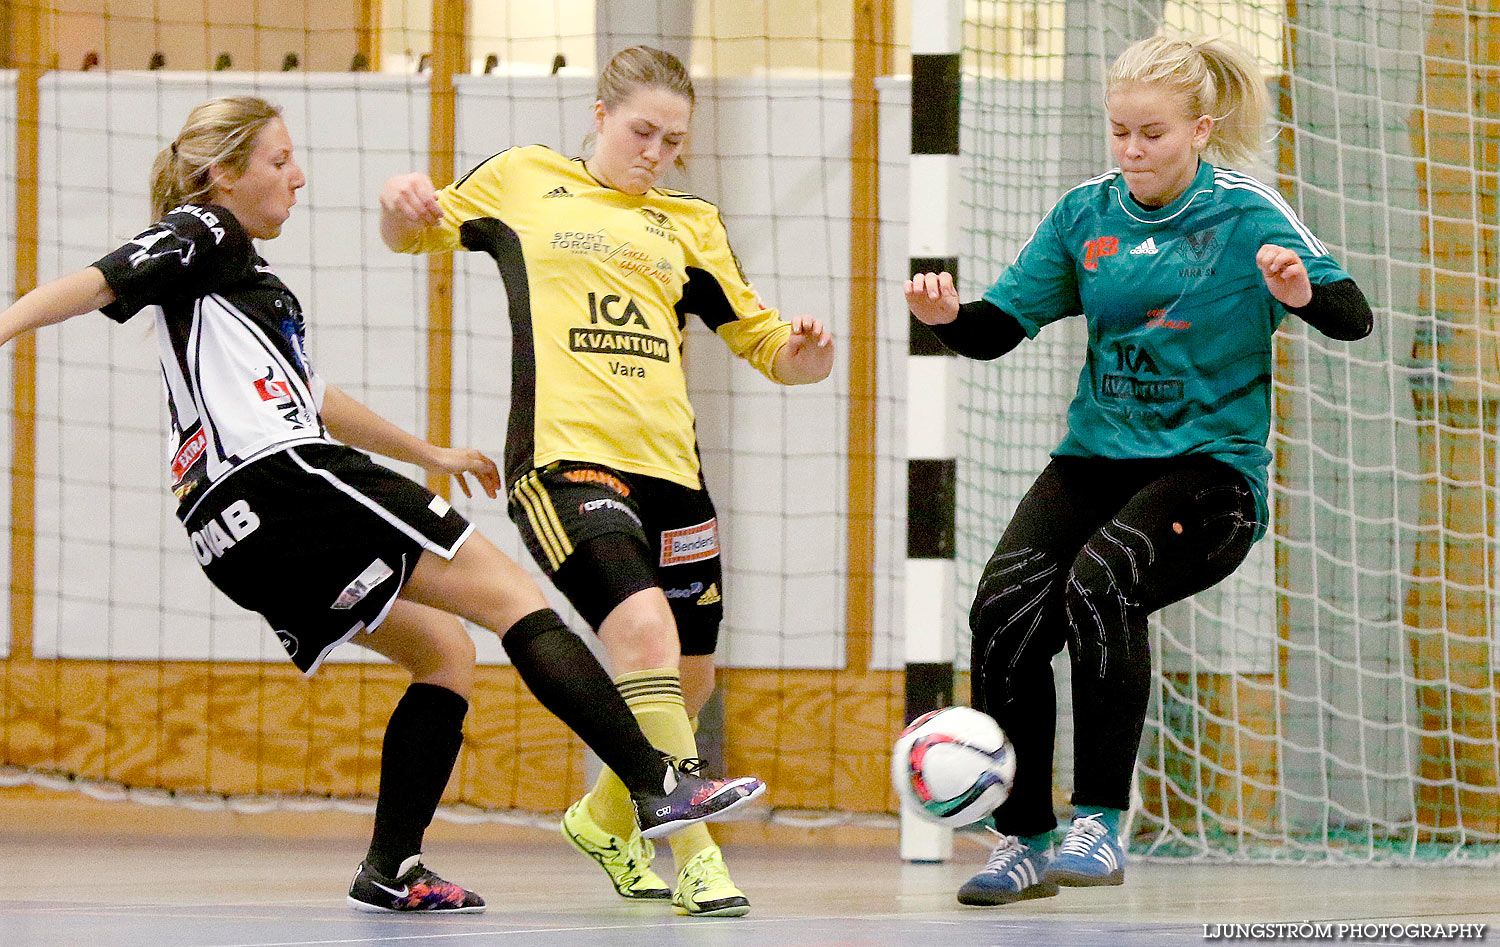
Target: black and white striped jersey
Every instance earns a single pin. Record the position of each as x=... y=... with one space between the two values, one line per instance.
x=231 y=340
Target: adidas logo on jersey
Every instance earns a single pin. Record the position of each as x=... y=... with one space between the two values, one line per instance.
x=711 y=596
x=558 y=191
x=1147 y=247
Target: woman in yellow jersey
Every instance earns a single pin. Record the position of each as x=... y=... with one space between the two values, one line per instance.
x=602 y=269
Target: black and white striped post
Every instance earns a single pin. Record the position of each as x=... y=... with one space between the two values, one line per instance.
x=931 y=429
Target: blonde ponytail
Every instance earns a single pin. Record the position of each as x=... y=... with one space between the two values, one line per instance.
x=219 y=133
x=1210 y=77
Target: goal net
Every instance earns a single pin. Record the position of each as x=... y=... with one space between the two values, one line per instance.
x=1336 y=697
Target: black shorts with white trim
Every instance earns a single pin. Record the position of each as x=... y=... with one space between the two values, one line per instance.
x=319 y=539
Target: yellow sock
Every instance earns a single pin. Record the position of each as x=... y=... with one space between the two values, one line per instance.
x=610 y=805
x=694 y=839
x=655 y=697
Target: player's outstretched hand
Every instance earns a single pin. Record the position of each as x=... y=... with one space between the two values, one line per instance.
x=458 y=461
x=1284 y=274
x=412 y=197
x=932 y=298
x=808 y=356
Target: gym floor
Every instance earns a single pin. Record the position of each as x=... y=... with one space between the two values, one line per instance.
x=73 y=890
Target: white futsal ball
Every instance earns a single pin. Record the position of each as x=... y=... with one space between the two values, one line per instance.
x=953 y=766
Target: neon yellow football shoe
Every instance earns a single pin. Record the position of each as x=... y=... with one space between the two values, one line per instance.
x=704 y=888
x=627 y=861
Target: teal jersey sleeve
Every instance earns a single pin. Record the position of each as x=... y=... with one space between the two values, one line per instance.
x=1268 y=218
x=1041 y=286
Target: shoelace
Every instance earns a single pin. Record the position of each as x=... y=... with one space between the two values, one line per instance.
x=705 y=869
x=689 y=765
x=1005 y=849
x=637 y=858
x=1082 y=835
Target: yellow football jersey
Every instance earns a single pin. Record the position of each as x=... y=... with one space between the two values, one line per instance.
x=600 y=284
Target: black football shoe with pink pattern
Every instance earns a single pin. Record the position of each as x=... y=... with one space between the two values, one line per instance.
x=689 y=797
x=414 y=889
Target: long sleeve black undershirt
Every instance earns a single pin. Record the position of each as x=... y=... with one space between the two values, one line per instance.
x=982 y=330
x=1338 y=310
x=985 y=331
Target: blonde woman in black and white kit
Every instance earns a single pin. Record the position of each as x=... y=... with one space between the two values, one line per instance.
x=289 y=519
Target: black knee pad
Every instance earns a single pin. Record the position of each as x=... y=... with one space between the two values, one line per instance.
x=603 y=572
x=606 y=570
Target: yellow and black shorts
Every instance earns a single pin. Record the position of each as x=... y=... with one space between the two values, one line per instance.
x=603 y=535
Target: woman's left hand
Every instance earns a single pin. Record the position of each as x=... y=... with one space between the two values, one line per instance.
x=457 y=461
x=808 y=355
x=1285 y=275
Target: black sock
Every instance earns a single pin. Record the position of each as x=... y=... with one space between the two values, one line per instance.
x=569 y=681
x=421 y=745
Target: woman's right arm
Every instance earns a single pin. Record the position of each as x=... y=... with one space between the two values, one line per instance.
x=979 y=329
x=408 y=206
x=63 y=298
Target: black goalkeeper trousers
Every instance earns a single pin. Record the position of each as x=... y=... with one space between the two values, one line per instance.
x=1094 y=548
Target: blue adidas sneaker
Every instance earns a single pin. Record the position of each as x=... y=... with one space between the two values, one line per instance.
x=1089 y=855
x=1013 y=873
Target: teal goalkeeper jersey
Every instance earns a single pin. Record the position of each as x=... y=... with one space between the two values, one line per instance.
x=1179 y=317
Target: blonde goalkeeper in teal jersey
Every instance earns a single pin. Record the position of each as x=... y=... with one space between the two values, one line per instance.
x=1183 y=271
x=602 y=269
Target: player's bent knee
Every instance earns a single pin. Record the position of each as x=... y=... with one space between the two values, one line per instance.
x=603 y=575
x=433 y=646
x=450 y=659
x=459 y=645
x=639 y=648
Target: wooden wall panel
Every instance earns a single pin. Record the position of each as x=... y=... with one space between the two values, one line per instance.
x=1450 y=601
x=1226 y=779
x=183 y=699
x=819 y=738
x=325 y=34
